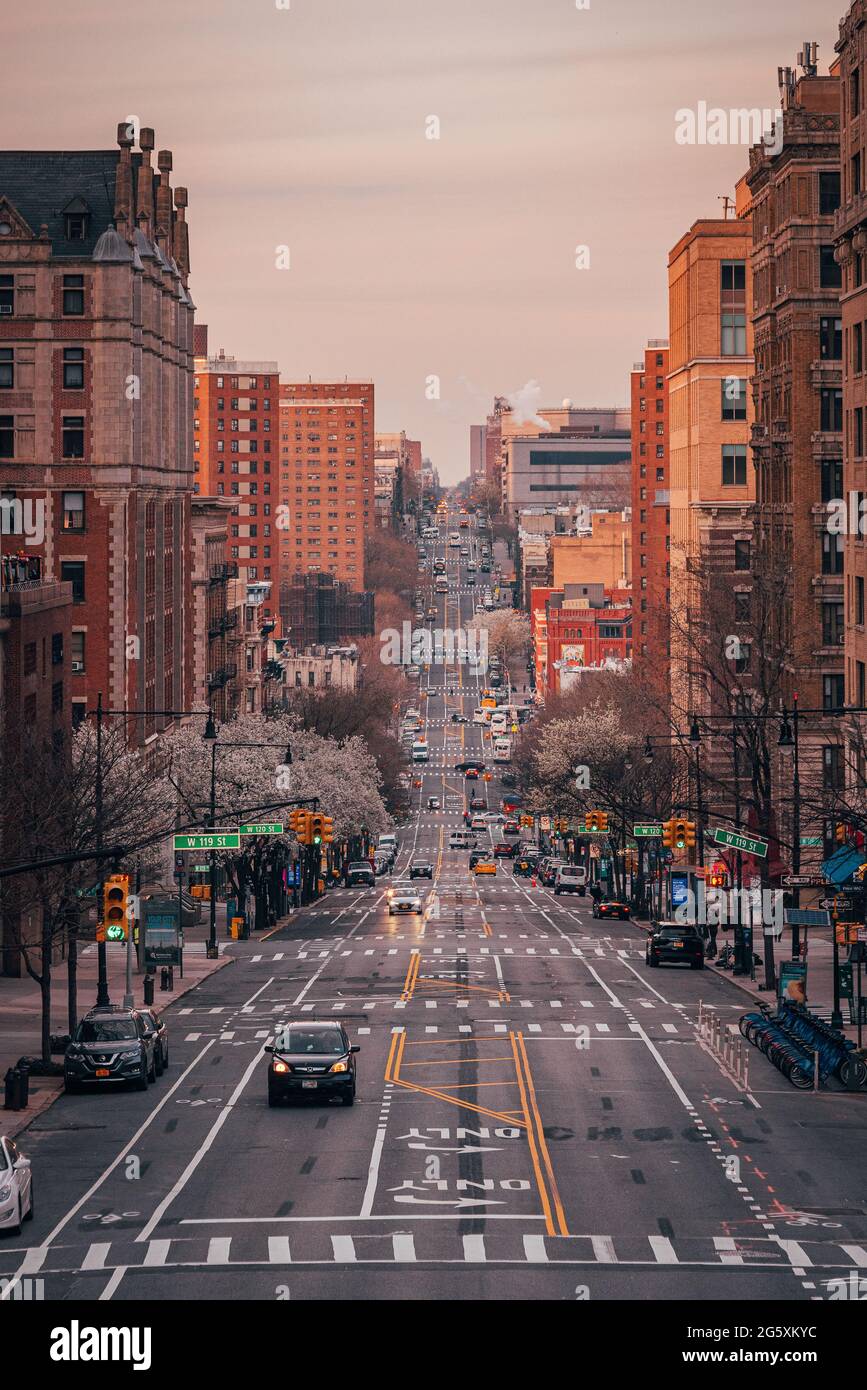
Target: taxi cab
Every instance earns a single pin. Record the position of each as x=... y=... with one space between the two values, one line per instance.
x=485 y=866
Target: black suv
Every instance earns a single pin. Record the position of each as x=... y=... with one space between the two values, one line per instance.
x=676 y=943
x=314 y=1059
x=360 y=872
x=421 y=868
x=111 y=1044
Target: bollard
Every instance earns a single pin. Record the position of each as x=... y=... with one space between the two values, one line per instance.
x=165 y=977
x=148 y=989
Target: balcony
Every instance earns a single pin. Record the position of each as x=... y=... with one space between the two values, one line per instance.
x=220 y=574
x=225 y=623
x=221 y=677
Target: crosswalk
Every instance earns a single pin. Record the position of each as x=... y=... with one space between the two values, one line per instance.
x=332 y=1241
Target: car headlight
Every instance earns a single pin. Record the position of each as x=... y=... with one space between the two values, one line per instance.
x=131 y=1054
x=340 y=1066
x=281 y=1066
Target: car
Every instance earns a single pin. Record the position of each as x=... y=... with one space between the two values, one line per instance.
x=477 y=855
x=381 y=864
x=523 y=867
x=478 y=803
x=478 y=822
x=570 y=878
x=312 y=1059
x=360 y=874
x=485 y=866
x=511 y=827
x=433 y=803
x=503 y=850
x=548 y=872
x=610 y=907
x=479 y=766
x=421 y=868
x=461 y=839
x=460 y=718
x=161 y=1038
x=472 y=774
x=404 y=900
x=16 y=1187
x=111 y=1045
x=676 y=943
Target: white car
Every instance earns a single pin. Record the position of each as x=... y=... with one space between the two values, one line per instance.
x=16 y=1187
x=404 y=900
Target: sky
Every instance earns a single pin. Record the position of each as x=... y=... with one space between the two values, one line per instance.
x=443 y=269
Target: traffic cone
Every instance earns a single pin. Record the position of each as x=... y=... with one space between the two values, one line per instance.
x=533 y=880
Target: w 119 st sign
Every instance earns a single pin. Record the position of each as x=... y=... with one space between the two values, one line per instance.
x=747 y=844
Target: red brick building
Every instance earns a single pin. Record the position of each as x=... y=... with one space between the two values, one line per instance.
x=96 y=340
x=578 y=628
x=651 y=515
x=326 y=479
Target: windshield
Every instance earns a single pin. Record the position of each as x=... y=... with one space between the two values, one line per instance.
x=105 y=1030
x=676 y=931
x=362 y=865
x=321 y=1041
x=570 y=873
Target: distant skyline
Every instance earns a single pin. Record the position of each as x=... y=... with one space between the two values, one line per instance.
x=413 y=258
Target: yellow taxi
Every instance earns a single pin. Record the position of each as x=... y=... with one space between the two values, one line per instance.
x=485 y=866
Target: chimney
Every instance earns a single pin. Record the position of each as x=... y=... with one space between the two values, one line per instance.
x=123 y=182
x=164 y=203
x=181 y=237
x=145 y=182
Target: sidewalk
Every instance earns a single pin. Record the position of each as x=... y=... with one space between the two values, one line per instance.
x=21 y=1008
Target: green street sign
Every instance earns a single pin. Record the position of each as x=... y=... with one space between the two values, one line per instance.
x=647 y=832
x=814 y=840
x=747 y=844
x=209 y=839
x=199 y=868
x=265 y=828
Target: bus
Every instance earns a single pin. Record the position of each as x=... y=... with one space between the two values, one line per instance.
x=502 y=750
x=442 y=584
x=420 y=753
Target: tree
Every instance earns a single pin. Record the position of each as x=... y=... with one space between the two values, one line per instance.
x=508 y=634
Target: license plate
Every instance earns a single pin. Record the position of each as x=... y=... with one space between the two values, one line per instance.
x=309 y=1085
x=677 y=945
x=103 y=1071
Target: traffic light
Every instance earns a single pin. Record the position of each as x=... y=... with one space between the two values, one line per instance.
x=302 y=826
x=115 y=909
x=690 y=834
x=591 y=820
x=327 y=830
x=316 y=828
x=603 y=821
x=680 y=832
x=668 y=834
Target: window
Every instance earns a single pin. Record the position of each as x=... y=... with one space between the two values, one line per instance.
x=57 y=648
x=830 y=274
x=742 y=608
x=742 y=555
x=859 y=603
x=833 y=692
x=855 y=92
x=832 y=624
x=7 y=369
x=742 y=660
x=7 y=436
x=72 y=572
x=73 y=511
x=859 y=432
x=73 y=369
x=830 y=410
x=7 y=294
x=832 y=479
x=77 y=649
x=734 y=398
x=831 y=339
x=858 y=348
x=29 y=658
x=832 y=553
x=734 y=465
x=829 y=192
x=855 y=173
x=73 y=436
x=733 y=321
x=57 y=697
x=73 y=295
x=733 y=335
x=75 y=222
x=860 y=692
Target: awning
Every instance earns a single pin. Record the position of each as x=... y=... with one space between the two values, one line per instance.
x=842 y=864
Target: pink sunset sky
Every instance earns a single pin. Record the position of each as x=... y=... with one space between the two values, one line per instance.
x=411 y=258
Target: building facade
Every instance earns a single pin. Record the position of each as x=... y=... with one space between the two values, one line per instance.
x=651 y=516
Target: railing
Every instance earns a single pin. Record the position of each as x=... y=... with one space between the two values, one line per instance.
x=227 y=570
x=724 y=1045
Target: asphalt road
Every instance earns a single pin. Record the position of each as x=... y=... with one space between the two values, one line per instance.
x=535 y=1117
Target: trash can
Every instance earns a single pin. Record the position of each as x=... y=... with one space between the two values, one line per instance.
x=12 y=1090
x=148 y=989
x=23 y=1071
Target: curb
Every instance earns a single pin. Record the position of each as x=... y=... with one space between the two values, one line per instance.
x=19 y=1120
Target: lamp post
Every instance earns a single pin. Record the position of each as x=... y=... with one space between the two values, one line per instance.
x=695 y=740
x=789 y=739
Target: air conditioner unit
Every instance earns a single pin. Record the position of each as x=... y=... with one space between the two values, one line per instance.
x=77 y=666
x=5 y=308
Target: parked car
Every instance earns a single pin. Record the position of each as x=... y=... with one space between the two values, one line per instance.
x=675 y=943
x=16 y=1187
x=360 y=874
x=110 y=1045
x=312 y=1058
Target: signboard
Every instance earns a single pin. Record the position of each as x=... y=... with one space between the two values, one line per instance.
x=647 y=832
x=544 y=822
x=803 y=881
x=210 y=839
x=845 y=974
x=811 y=841
x=163 y=939
x=262 y=828
x=806 y=917
x=747 y=844
x=679 y=889
x=792 y=982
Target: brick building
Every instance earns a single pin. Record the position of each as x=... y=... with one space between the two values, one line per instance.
x=326 y=478
x=96 y=338
x=576 y=629
x=236 y=452
x=651 y=516
x=319 y=610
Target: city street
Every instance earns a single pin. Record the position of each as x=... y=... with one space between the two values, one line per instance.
x=536 y=1116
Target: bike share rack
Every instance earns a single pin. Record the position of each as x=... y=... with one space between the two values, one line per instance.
x=806 y=1050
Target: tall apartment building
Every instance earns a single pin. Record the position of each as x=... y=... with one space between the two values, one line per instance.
x=712 y=485
x=477 y=454
x=850 y=231
x=96 y=355
x=651 y=516
x=327 y=480
x=797 y=439
x=236 y=453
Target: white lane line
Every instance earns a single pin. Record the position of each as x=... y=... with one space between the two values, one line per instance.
x=603 y=1250
x=116 y=1276
x=474 y=1249
x=278 y=1250
x=157 y=1253
x=96 y=1256
x=535 y=1249
x=663 y=1250
x=404 y=1247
